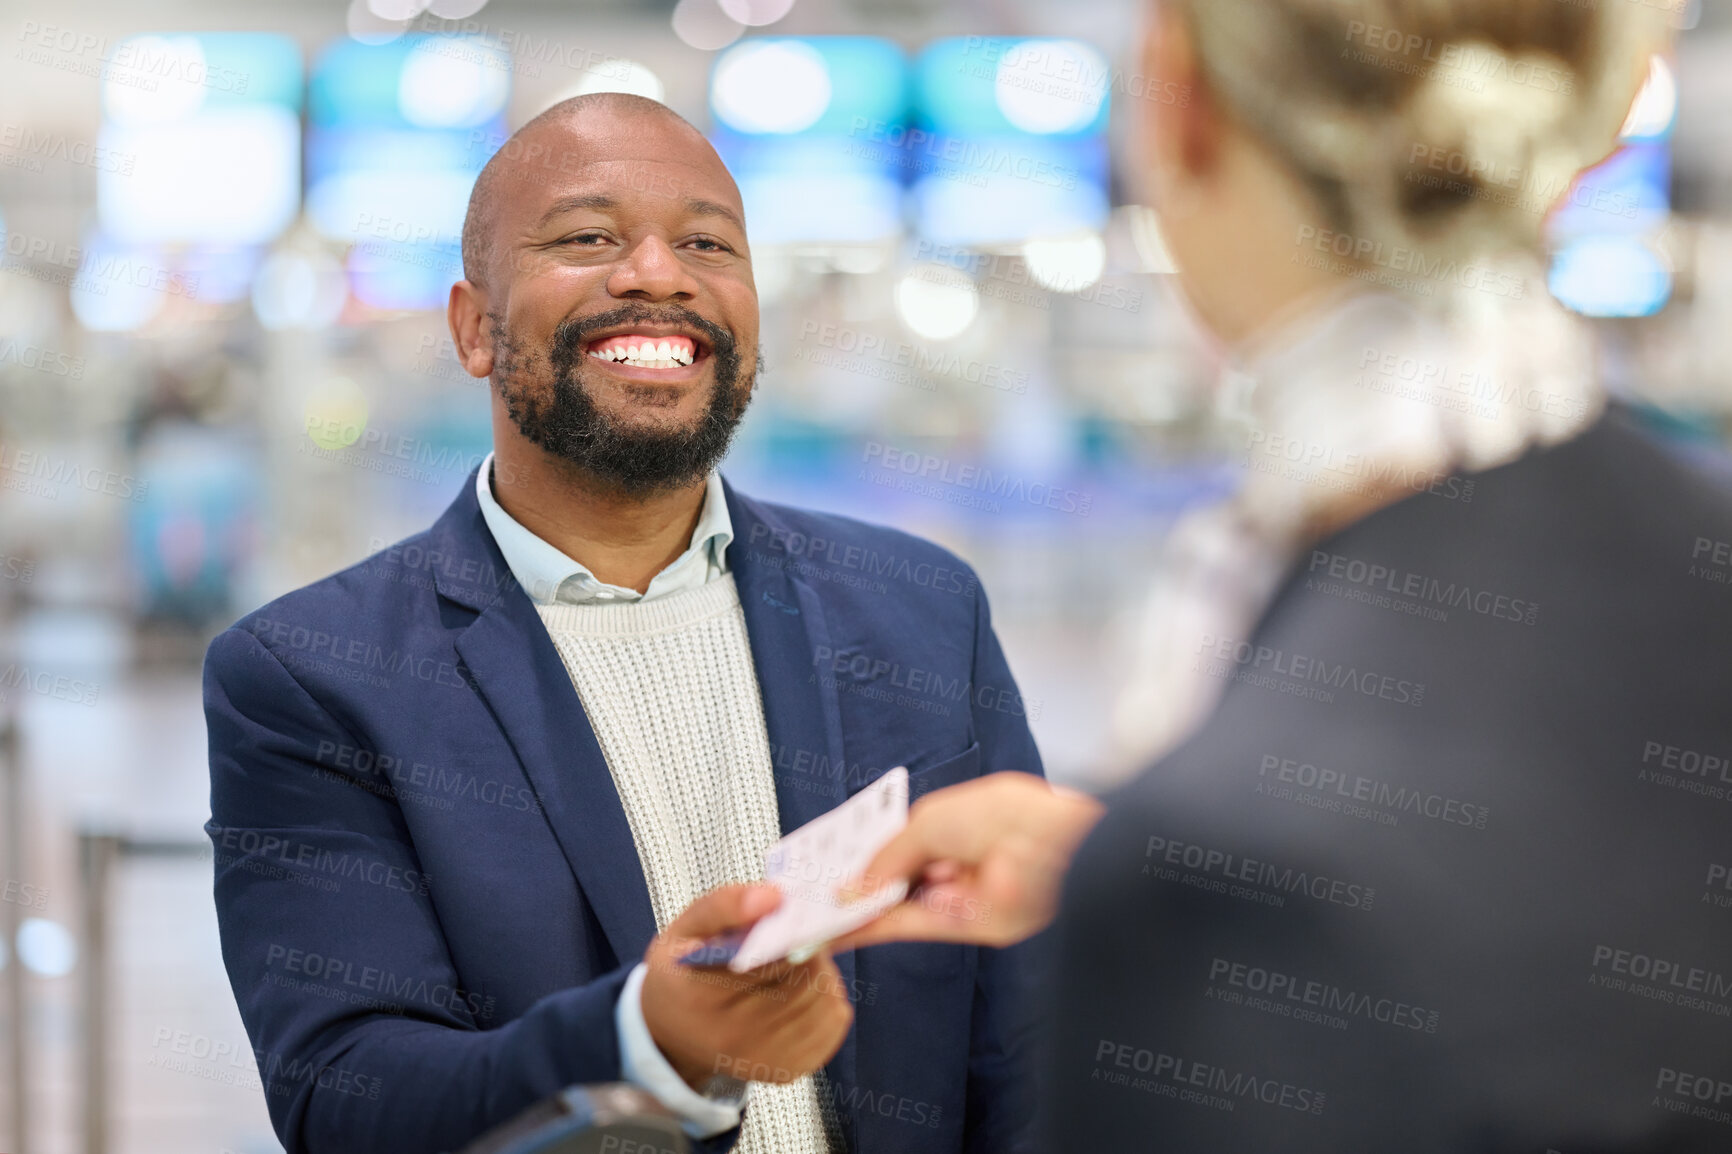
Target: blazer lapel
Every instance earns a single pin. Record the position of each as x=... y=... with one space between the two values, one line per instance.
x=786 y=625
x=517 y=670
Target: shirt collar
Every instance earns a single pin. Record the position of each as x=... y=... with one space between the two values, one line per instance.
x=550 y=577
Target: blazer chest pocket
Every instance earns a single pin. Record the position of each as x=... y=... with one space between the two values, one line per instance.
x=962 y=767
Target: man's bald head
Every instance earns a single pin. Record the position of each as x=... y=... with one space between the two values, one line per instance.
x=519 y=159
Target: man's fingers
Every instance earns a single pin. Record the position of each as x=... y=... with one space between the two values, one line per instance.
x=728 y=908
x=913 y=921
x=904 y=857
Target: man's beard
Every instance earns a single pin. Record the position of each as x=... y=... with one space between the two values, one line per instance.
x=636 y=461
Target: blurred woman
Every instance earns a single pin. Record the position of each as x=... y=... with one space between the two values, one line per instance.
x=1432 y=853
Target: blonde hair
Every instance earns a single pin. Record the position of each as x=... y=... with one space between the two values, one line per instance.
x=1447 y=126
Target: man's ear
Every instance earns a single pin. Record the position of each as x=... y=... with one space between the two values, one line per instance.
x=466 y=313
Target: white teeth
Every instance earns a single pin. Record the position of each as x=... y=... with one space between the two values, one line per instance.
x=648 y=354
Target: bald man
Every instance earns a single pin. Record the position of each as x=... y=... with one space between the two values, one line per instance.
x=472 y=797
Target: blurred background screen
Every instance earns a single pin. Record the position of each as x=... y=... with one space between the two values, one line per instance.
x=227 y=232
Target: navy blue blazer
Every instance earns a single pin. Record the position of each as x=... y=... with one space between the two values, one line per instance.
x=428 y=894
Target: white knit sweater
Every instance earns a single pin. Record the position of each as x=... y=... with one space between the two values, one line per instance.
x=671 y=692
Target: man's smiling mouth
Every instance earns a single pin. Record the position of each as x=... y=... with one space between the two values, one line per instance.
x=643 y=350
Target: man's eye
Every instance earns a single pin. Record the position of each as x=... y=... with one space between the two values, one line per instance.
x=589 y=238
x=705 y=244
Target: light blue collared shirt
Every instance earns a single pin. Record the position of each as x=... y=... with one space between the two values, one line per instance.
x=551 y=578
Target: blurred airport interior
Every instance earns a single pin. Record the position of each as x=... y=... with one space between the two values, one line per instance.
x=228 y=235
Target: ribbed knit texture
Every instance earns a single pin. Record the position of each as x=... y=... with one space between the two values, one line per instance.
x=670 y=690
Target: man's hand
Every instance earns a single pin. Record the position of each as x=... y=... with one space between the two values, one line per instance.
x=772 y=1024
x=986 y=858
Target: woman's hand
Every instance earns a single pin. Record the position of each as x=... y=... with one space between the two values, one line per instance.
x=986 y=861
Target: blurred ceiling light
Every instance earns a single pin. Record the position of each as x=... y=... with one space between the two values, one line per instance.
x=1610 y=276
x=223 y=274
x=1047 y=86
x=119 y=288
x=299 y=291
x=46 y=948
x=770 y=86
x=227 y=175
x=449 y=83
x=937 y=301
x=1655 y=105
x=821 y=208
x=396 y=9
x=620 y=75
x=757 y=13
x=456 y=9
x=368 y=28
x=174 y=71
x=703 y=25
x=1066 y=264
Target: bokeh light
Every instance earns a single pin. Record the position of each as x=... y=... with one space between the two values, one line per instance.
x=937 y=301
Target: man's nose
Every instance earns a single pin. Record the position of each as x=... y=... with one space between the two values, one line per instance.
x=650 y=270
